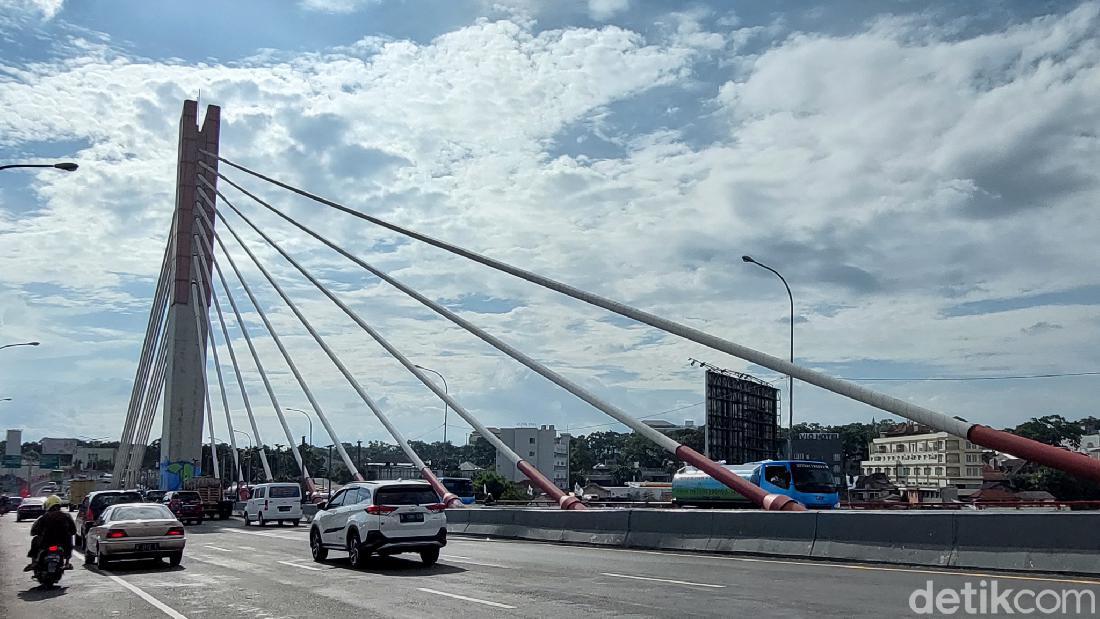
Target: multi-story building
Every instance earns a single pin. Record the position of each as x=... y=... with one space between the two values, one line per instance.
x=94 y=458
x=542 y=447
x=1090 y=444
x=821 y=447
x=928 y=461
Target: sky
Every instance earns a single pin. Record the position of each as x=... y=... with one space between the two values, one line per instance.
x=925 y=176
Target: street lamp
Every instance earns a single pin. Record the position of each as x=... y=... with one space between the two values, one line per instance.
x=19 y=344
x=66 y=166
x=5 y=399
x=249 y=437
x=790 y=378
x=445 y=390
x=307 y=419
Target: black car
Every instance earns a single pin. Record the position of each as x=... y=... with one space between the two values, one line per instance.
x=154 y=496
x=30 y=508
x=93 y=505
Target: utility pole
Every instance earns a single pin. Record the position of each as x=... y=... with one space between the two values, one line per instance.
x=359 y=454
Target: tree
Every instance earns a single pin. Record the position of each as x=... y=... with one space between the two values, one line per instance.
x=581 y=461
x=607 y=447
x=1052 y=430
x=492 y=481
x=481 y=452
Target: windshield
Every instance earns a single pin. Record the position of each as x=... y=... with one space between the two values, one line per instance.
x=812 y=478
x=103 y=500
x=405 y=495
x=188 y=497
x=140 y=512
x=458 y=485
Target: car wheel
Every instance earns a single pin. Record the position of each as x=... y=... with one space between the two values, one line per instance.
x=175 y=558
x=356 y=555
x=260 y=519
x=101 y=562
x=247 y=522
x=282 y=523
x=89 y=558
x=429 y=556
x=18 y=519
x=320 y=553
x=295 y=523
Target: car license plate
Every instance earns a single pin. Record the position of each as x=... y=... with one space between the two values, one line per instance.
x=146 y=547
x=284 y=508
x=412 y=517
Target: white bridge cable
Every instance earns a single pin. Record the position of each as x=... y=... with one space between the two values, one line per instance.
x=421 y=376
x=240 y=383
x=859 y=393
x=367 y=399
x=263 y=373
x=148 y=413
x=286 y=355
x=528 y=361
x=145 y=360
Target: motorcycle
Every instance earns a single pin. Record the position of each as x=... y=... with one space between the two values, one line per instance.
x=49 y=566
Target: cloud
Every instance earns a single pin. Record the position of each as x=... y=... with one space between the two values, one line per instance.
x=335 y=6
x=603 y=10
x=47 y=9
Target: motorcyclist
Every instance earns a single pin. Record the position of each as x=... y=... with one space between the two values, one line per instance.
x=54 y=528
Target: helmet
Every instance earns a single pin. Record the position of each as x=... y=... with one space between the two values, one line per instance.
x=52 y=501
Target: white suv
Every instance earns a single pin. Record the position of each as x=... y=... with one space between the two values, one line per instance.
x=384 y=517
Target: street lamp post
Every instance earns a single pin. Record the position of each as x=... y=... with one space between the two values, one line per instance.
x=66 y=166
x=308 y=418
x=328 y=472
x=249 y=463
x=790 y=378
x=19 y=344
x=445 y=390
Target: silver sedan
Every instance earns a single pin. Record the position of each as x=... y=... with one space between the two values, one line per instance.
x=135 y=531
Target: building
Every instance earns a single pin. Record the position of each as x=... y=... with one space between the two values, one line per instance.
x=821 y=447
x=1090 y=445
x=912 y=457
x=667 y=427
x=94 y=458
x=542 y=446
x=742 y=420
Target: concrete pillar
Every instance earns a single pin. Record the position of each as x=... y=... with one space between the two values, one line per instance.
x=184 y=397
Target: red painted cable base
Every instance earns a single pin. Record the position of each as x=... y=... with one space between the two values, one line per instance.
x=452 y=501
x=1071 y=462
x=571 y=502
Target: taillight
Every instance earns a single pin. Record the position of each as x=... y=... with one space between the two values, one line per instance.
x=380 y=509
x=177 y=531
x=265 y=504
x=436 y=507
x=52 y=549
x=115 y=533
x=89 y=515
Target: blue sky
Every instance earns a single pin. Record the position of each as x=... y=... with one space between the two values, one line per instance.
x=924 y=175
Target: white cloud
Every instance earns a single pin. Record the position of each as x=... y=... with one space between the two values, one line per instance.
x=335 y=6
x=47 y=9
x=603 y=10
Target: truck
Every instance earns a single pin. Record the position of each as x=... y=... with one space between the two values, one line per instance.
x=78 y=489
x=214 y=504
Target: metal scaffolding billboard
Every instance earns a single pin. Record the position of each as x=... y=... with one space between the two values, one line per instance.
x=742 y=418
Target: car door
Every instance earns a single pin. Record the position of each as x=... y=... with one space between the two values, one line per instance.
x=331 y=522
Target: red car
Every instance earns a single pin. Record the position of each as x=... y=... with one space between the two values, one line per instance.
x=185 y=504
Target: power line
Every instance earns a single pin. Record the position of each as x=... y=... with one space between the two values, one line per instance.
x=966 y=378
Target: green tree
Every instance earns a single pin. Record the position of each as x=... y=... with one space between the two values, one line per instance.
x=581 y=461
x=492 y=481
x=481 y=452
x=607 y=447
x=1052 y=430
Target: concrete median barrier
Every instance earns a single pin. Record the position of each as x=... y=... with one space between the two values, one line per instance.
x=1045 y=542
x=492 y=523
x=669 y=529
x=540 y=525
x=457 y=521
x=789 y=534
x=909 y=538
x=598 y=528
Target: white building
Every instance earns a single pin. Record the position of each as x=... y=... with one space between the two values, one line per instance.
x=928 y=462
x=1090 y=444
x=543 y=447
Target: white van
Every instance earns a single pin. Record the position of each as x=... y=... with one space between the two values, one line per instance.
x=274 y=503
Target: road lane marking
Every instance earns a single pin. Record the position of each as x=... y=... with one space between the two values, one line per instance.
x=670 y=581
x=819 y=564
x=463 y=597
x=458 y=559
x=304 y=567
x=217 y=548
x=258 y=534
x=161 y=606
x=246 y=547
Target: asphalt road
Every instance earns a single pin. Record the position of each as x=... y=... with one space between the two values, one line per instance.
x=232 y=571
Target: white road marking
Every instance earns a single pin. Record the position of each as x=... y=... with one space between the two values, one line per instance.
x=304 y=567
x=161 y=606
x=246 y=547
x=257 y=533
x=818 y=564
x=458 y=559
x=463 y=597
x=217 y=548
x=670 y=581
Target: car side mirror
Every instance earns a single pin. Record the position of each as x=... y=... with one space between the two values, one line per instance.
x=322 y=506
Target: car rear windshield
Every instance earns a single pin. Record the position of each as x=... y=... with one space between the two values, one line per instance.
x=141 y=512
x=103 y=500
x=284 y=492
x=188 y=497
x=459 y=486
x=405 y=495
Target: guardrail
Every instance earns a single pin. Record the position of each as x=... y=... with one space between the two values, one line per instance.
x=1063 y=542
